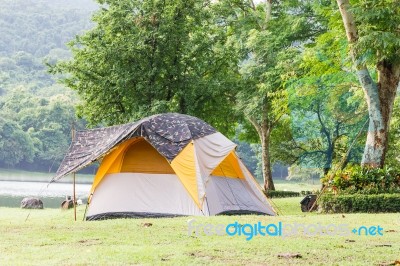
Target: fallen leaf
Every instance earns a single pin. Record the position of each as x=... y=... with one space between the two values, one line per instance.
x=389 y=263
x=147 y=224
x=290 y=255
x=386 y=264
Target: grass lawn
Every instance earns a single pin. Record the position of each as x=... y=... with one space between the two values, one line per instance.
x=51 y=237
x=297 y=186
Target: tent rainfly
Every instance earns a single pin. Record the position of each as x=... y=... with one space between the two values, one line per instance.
x=164 y=165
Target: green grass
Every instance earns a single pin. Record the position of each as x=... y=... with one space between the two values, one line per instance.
x=297 y=186
x=51 y=237
x=287 y=206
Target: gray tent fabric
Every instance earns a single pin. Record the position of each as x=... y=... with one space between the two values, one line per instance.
x=123 y=195
x=233 y=195
x=129 y=193
x=168 y=133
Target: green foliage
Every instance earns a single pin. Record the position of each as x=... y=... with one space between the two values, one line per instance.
x=268 y=56
x=36 y=114
x=325 y=120
x=378 y=29
x=15 y=145
x=297 y=172
x=326 y=104
x=41 y=126
x=374 y=203
x=357 y=179
x=38 y=27
x=393 y=155
x=147 y=57
x=250 y=157
x=282 y=147
x=379 y=38
x=33 y=32
x=281 y=194
x=375 y=43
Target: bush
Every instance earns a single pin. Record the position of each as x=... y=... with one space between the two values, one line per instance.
x=355 y=179
x=359 y=203
x=281 y=194
x=306 y=192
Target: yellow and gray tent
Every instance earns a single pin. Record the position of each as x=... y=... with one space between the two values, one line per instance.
x=164 y=165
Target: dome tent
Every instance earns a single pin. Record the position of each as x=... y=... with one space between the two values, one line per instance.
x=164 y=165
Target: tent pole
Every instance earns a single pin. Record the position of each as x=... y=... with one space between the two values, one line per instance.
x=73 y=136
x=74 y=199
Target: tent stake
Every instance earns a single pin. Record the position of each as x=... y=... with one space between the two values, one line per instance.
x=84 y=215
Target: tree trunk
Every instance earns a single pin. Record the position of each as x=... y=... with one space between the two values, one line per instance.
x=328 y=159
x=264 y=132
x=380 y=99
x=388 y=81
x=376 y=137
x=266 y=161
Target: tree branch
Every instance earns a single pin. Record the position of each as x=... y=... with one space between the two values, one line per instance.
x=268 y=10
x=369 y=86
x=252 y=5
x=255 y=125
x=324 y=130
x=348 y=21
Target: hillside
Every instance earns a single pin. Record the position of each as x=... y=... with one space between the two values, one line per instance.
x=34 y=32
x=35 y=112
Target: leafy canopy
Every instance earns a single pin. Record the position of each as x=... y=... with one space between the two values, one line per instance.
x=147 y=57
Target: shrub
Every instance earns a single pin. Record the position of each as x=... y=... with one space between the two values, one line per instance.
x=306 y=192
x=356 y=179
x=281 y=194
x=343 y=203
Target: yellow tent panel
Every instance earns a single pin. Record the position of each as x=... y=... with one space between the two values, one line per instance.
x=136 y=156
x=141 y=157
x=108 y=164
x=229 y=167
x=185 y=168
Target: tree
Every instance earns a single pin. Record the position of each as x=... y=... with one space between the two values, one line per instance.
x=42 y=125
x=147 y=57
x=327 y=109
x=33 y=32
x=325 y=121
x=15 y=144
x=372 y=32
x=299 y=173
x=266 y=35
x=35 y=123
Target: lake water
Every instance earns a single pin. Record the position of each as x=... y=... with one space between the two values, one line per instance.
x=12 y=192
